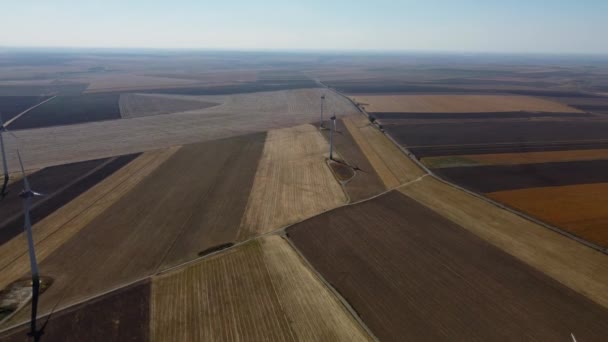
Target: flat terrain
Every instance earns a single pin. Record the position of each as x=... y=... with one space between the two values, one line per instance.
x=260 y=291
x=515 y=158
x=493 y=178
x=293 y=181
x=10 y=106
x=137 y=105
x=411 y=274
x=579 y=209
x=561 y=258
x=388 y=161
x=366 y=182
x=120 y=316
x=458 y=104
x=73 y=143
x=68 y=110
x=60 y=185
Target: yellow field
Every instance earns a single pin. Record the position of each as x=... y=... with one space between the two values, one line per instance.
x=388 y=161
x=260 y=291
x=293 y=181
x=567 y=261
x=579 y=209
x=61 y=225
x=515 y=158
x=459 y=104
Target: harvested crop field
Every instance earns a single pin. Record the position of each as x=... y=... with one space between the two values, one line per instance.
x=569 y=262
x=366 y=182
x=293 y=181
x=137 y=105
x=10 y=106
x=510 y=177
x=457 y=138
x=129 y=82
x=482 y=115
x=248 y=113
x=458 y=104
x=578 y=209
x=260 y=291
x=60 y=184
x=390 y=164
x=178 y=211
x=409 y=283
x=63 y=224
x=67 y=110
x=515 y=158
x=119 y=316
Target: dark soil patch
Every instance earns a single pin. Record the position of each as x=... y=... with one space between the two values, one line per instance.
x=60 y=184
x=10 y=106
x=67 y=110
x=40 y=90
x=122 y=315
x=432 y=151
x=491 y=178
x=412 y=275
x=251 y=87
x=486 y=115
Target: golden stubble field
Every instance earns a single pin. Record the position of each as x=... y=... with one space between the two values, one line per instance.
x=459 y=104
x=293 y=181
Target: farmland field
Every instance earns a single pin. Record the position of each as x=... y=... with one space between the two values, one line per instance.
x=136 y=105
x=247 y=113
x=493 y=178
x=260 y=291
x=458 y=104
x=11 y=106
x=60 y=184
x=67 y=110
x=119 y=316
x=515 y=158
x=366 y=182
x=579 y=209
x=411 y=274
x=293 y=181
x=63 y=224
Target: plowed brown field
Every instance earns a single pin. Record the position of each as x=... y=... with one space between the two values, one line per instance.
x=260 y=291
x=137 y=105
x=413 y=275
x=579 y=209
x=292 y=182
x=459 y=104
x=515 y=158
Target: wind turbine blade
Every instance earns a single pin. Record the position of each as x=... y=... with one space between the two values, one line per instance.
x=573 y=338
x=4 y=164
x=25 y=181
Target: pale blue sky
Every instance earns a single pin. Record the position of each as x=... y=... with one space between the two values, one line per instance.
x=423 y=25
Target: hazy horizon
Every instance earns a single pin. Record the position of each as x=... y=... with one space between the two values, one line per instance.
x=436 y=26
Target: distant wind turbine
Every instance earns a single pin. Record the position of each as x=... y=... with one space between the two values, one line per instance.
x=27 y=194
x=331 y=137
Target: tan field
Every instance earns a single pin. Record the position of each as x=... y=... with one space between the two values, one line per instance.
x=515 y=158
x=567 y=261
x=138 y=105
x=113 y=137
x=260 y=291
x=60 y=226
x=579 y=209
x=126 y=82
x=293 y=181
x=387 y=160
x=459 y=104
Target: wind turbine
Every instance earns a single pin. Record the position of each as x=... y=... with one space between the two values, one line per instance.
x=27 y=194
x=4 y=165
x=331 y=137
x=322 y=103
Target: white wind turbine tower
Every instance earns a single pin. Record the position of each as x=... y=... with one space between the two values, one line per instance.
x=4 y=164
x=27 y=194
x=331 y=136
x=322 y=104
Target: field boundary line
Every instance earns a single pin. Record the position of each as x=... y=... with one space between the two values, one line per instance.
x=27 y=110
x=412 y=157
x=349 y=308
